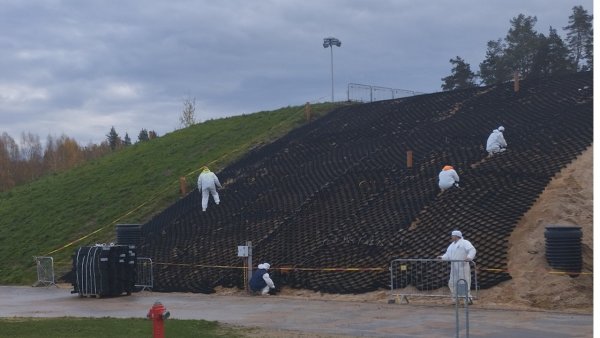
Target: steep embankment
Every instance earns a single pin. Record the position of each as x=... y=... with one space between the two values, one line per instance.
x=567 y=200
x=335 y=201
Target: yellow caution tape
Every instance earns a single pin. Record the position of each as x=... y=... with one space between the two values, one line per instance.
x=347 y=269
x=550 y=272
x=272 y=268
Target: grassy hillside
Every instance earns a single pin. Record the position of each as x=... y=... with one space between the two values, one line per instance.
x=58 y=213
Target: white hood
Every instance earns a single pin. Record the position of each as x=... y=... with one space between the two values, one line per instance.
x=265 y=266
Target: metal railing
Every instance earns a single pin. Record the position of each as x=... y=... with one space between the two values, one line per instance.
x=430 y=278
x=367 y=93
x=462 y=291
x=45 y=271
x=145 y=278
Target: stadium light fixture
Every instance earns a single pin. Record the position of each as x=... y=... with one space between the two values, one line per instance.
x=329 y=43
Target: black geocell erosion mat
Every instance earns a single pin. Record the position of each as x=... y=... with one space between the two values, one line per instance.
x=337 y=193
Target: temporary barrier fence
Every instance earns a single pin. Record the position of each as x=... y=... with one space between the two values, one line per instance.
x=145 y=278
x=430 y=278
x=45 y=271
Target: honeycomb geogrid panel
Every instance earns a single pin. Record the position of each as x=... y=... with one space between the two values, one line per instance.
x=332 y=203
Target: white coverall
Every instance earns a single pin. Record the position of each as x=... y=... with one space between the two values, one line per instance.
x=208 y=183
x=461 y=250
x=447 y=178
x=495 y=142
x=267 y=279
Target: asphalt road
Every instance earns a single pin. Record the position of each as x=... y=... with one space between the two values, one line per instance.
x=320 y=317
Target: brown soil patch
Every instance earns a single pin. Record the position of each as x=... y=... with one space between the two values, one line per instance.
x=567 y=200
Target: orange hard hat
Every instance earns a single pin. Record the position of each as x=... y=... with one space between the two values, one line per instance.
x=447 y=167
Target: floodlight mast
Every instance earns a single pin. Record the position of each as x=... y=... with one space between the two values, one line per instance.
x=329 y=43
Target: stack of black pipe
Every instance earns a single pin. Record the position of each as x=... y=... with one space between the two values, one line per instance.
x=104 y=270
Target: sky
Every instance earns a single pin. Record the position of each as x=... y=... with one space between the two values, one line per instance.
x=78 y=68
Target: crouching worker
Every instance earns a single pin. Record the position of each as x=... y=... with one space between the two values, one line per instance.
x=261 y=281
x=448 y=178
x=496 y=142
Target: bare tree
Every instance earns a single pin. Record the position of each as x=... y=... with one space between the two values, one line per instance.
x=31 y=156
x=7 y=180
x=187 y=117
x=29 y=161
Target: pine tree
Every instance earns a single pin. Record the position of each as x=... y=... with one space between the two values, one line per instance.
x=461 y=77
x=552 y=57
x=580 y=38
x=143 y=135
x=522 y=44
x=126 y=140
x=494 y=69
x=113 y=139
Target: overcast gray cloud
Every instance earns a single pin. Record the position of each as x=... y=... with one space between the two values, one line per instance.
x=80 y=67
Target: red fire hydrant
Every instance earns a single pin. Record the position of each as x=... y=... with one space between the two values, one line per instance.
x=158 y=314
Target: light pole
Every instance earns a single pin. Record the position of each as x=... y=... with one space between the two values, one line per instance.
x=330 y=42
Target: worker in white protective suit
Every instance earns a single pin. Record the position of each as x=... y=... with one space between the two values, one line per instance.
x=460 y=252
x=261 y=281
x=496 y=142
x=207 y=184
x=448 y=178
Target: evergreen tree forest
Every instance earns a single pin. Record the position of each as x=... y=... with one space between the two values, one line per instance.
x=526 y=53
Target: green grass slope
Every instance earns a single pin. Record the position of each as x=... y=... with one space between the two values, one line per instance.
x=58 y=213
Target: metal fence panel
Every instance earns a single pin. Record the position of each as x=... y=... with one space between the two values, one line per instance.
x=430 y=278
x=145 y=278
x=45 y=271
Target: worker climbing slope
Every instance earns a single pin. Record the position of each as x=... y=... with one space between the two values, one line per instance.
x=207 y=184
